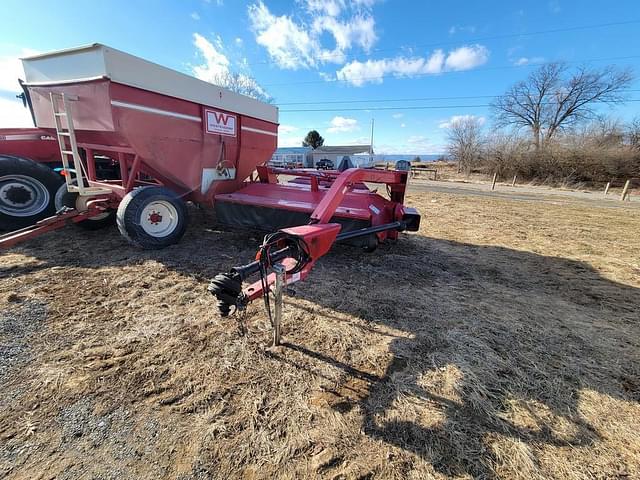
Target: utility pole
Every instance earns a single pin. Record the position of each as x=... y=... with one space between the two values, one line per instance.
x=371 y=145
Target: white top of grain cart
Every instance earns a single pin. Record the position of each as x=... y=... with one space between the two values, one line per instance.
x=97 y=61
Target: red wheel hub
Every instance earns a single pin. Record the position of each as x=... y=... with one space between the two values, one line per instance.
x=155 y=218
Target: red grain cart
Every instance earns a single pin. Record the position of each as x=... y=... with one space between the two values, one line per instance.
x=174 y=139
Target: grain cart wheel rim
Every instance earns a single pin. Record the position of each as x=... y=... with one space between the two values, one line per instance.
x=152 y=217
x=64 y=198
x=159 y=218
x=22 y=196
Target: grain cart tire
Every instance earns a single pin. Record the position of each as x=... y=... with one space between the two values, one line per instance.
x=27 y=192
x=64 y=198
x=152 y=217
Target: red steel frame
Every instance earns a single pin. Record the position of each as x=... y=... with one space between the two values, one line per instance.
x=130 y=169
x=123 y=123
x=320 y=234
x=95 y=206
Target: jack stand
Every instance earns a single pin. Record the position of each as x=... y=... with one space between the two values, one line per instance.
x=280 y=270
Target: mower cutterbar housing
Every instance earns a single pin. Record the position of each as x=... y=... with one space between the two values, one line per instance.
x=336 y=206
x=313 y=196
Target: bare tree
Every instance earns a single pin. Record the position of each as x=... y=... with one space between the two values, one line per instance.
x=605 y=131
x=242 y=84
x=465 y=142
x=633 y=133
x=552 y=98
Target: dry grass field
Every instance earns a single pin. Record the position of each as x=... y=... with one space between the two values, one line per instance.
x=500 y=341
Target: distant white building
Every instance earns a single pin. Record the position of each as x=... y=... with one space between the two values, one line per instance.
x=292 y=157
x=337 y=153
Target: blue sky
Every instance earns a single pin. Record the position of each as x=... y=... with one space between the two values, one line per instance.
x=359 y=51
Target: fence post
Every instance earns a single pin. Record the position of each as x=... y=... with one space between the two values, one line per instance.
x=493 y=183
x=625 y=190
x=515 y=177
x=606 y=189
x=277 y=317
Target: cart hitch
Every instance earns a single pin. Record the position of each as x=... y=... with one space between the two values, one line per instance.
x=297 y=249
x=227 y=287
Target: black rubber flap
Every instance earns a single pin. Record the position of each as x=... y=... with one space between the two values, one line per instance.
x=269 y=219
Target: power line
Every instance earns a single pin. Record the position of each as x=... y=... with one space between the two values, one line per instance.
x=415 y=99
x=419 y=75
x=471 y=40
x=410 y=107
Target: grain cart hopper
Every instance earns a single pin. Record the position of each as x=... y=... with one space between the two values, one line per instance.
x=176 y=139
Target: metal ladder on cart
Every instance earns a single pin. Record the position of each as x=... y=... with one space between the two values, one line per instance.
x=75 y=173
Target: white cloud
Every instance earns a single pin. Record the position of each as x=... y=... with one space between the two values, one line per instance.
x=403 y=125
x=462 y=28
x=467 y=57
x=195 y=15
x=11 y=70
x=463 y=58
x=294 y=44
x=288 y=44
x=14 y=114
x=435 y=62
x=216 y=68
x=397 y=115
x=238 y=41
x=286 y=129
x=342 y=124
x=215 y=62
x=332 y=8
x=461 y=118
x=359 y=30
x=527 y=60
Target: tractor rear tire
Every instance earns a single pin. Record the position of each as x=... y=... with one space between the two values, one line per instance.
x=152 y=217
x=27 y=192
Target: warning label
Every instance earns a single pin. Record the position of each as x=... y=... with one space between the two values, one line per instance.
x=220 y=123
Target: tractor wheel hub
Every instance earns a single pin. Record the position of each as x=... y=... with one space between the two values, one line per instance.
x=22 y=196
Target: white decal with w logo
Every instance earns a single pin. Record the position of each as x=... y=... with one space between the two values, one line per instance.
x=220 y=123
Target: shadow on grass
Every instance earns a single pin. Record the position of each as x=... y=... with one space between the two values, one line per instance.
x=506 y=326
